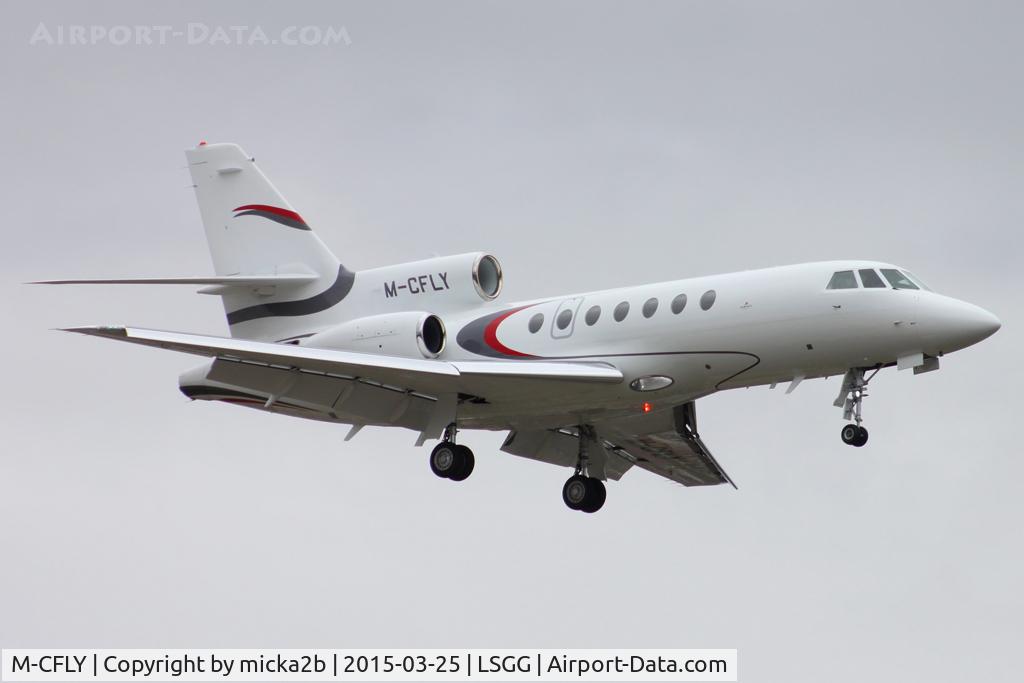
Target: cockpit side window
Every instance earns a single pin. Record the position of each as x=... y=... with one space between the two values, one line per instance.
x=916 y=280
x=870 y=278
x=844 y=279
x=897 y=279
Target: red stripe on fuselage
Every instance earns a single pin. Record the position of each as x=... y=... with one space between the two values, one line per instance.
x=491 y=335
x=285 y=213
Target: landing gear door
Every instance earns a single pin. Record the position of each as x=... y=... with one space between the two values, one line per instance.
x=564 y=320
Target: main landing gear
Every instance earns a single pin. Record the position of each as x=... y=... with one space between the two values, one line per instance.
x=449 y=460
x=851 y=398
x=854 y=435
x=583 y=492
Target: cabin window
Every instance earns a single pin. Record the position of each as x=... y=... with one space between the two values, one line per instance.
x=536 y=322
x=870 y=278
x=844 y=279
x=678 y=304
x=650 y=306
x=621 y=311
x=563 y=319
x=897 y=279
x=707 y=299
x=592 y=315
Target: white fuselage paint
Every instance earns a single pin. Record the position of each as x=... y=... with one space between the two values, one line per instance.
x=765 y=326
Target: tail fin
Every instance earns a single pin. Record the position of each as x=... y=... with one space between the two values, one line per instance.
x=252 y=230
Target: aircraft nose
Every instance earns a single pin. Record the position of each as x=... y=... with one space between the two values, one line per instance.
x=976 y=323
x=957 y=324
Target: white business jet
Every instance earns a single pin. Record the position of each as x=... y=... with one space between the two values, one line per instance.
x=597 y=382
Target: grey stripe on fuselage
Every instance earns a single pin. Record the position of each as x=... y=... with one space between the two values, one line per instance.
x=471 y=336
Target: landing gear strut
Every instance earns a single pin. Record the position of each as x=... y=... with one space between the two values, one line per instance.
x=449 y=460
x=851 y=398
x=581 y=491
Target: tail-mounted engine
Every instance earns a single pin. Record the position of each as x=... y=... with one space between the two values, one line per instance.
x=410 y=334
x=439 y=284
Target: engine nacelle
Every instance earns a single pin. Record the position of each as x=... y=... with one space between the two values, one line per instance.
x=410 y=334
x=440 y=284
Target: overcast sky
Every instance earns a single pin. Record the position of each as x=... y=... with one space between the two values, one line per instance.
x=588 y=145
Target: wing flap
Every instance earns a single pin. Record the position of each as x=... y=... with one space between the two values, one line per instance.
x=678 y=454
x=672 y=456
x=559 y=447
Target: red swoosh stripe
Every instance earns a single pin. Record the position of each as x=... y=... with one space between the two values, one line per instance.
x=491 y=335
x=276 y=210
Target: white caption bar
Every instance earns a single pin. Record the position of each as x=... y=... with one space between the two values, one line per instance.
x=369 y=665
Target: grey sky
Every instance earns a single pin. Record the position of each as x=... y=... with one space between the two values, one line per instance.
x=588 y=145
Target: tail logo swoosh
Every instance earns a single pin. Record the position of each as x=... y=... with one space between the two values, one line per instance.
x=274 y=213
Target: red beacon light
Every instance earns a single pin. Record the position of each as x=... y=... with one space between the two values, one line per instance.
x=646 y=407
x=202 y=143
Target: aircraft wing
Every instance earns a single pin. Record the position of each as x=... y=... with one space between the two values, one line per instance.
x=665 y=443
x=412 y=374
x=677 y=453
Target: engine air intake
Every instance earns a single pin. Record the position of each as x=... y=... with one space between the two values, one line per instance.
x=487 y=276
x=431 y=336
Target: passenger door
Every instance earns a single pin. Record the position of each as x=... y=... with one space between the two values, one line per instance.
x=564 y=320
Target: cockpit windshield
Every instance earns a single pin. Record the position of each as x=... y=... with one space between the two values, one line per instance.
x=916 y=280
x=869 y=279
x=897 y=279
x=844 y=279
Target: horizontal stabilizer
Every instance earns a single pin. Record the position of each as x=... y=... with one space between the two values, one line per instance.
x=413 y=374
x=222 y=280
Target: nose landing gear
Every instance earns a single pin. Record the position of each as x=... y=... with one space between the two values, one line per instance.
x=851 y=398
x=581 y=491
x=449 y=460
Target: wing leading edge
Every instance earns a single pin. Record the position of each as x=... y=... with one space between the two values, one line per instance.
x=428 y=376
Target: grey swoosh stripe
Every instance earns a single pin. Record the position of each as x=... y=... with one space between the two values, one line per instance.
x=471 y=336
x=274 y=217
x=314 y=304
